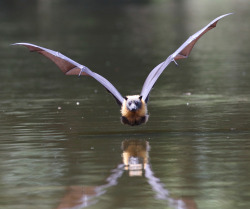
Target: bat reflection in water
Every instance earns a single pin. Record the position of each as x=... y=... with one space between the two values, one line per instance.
x=135 y=158
x=133 y=107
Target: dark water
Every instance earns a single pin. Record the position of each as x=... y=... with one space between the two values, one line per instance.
x=61 y=141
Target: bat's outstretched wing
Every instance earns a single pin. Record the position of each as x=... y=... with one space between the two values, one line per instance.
x=182 y=52
x=70 y=67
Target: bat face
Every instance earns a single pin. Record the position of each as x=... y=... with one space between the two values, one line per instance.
x=133 y=103
x=134 y=110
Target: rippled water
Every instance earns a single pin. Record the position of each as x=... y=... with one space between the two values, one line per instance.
x=61 y=141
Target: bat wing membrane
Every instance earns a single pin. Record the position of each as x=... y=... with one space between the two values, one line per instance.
x=181 y=53
x=70 y=67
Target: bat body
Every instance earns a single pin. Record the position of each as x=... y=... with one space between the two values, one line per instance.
x=133 y=108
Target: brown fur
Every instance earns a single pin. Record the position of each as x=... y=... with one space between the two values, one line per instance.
x=134 y=118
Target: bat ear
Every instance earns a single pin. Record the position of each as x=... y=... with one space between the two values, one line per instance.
x=126 y=98
x=140 y=97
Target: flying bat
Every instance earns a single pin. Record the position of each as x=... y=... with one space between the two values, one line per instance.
x=133 y=108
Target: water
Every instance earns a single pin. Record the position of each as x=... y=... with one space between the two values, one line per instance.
x=61 y=141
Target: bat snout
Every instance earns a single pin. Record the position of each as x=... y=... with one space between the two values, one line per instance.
x=133 y=107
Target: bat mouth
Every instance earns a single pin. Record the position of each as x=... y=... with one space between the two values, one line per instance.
x=133 y=109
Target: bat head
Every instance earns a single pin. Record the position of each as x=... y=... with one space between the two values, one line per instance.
x=133 y=103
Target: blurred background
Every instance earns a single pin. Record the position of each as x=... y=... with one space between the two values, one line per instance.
x=61 y=140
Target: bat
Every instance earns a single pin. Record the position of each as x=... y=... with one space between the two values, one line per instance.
x=133 y=107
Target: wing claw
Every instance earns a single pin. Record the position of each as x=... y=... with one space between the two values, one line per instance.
x=175 y=62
